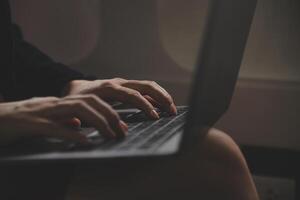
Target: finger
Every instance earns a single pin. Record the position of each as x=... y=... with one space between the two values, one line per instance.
x=107 y=111
x=155 y=91
x=46 y=128
x=81 y=110
x=75 y=122
x=153 y=102
x=72 y=123
x=133 y=97
x=158 y=105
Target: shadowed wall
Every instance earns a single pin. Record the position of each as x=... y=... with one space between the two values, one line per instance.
x=158 y=40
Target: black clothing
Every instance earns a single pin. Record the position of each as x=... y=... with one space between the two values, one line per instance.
x=35 y=73
x=24 y=70
x=6 y=74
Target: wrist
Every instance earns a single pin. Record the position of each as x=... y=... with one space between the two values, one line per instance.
x=73 y=87
x=67 y=89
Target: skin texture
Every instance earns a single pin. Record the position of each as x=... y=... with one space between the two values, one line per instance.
x=142 y=94
x=83 y=101
x=215 y=170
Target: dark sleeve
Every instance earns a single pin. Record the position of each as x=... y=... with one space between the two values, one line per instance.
x=36 y=73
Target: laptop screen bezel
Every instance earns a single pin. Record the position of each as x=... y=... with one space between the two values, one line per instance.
x=218 y=63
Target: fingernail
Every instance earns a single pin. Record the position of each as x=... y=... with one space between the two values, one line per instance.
x=154 y=114
x=173 y=109
x=124 y=126
x=73 y=123
x=76 y=122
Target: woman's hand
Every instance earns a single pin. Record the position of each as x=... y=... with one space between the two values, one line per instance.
x=141 y=94
x=47 y=117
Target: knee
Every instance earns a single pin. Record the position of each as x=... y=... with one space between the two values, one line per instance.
x=220 y=148
x=226 y=167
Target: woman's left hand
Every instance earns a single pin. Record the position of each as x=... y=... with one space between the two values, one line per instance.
x=144 y=95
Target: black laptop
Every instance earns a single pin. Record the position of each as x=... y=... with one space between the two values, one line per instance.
x=217 y=67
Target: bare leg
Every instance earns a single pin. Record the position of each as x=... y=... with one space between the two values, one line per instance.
x=216 y=170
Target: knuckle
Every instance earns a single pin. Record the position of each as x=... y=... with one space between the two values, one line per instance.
x=52 y=104
x=53 y=98
x=77 y=103
x=109 y=84
x=54 y=101
x=151 y=84
x=35 y=98
x=117 y=79
x=92 y=97
x=72 y=97
x=134 y=94
x=168 y=97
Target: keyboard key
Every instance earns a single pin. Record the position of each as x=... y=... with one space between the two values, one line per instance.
x=142 y=132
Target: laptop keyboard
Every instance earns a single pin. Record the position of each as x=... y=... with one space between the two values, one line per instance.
x=142 y=132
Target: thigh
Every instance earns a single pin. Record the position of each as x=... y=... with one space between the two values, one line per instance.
x=214 y=169
x=154 y=179
x=144 y=181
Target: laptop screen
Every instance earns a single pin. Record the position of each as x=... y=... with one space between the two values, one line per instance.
x=219 y=59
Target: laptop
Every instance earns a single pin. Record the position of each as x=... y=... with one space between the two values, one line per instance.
x=216 y=72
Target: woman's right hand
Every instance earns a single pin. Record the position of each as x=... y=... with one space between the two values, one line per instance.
x=46 y=117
